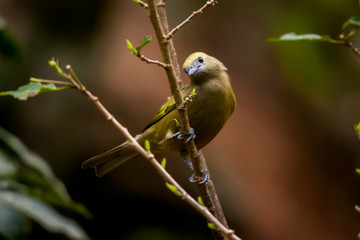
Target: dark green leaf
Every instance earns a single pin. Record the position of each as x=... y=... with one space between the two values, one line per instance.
x=38 y=175
x=353 y=21
x=13 y=225
x=31 y=90
x=131 y=47
x=7 y=167
x=305 y=37
x=144 y=42
x=9 y=46
x=43 y=214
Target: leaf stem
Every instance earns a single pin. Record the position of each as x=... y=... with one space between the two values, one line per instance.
x=352 y=47
x=32 y=79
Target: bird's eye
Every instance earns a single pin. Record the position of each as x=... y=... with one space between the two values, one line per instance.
x=200 y=60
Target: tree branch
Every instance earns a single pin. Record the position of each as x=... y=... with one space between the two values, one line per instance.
x=207 y=190
x=352 y=47
x=150 y=61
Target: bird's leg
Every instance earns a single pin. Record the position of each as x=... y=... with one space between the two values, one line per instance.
x=193 y=179
x=184 y=156
x=191 y=135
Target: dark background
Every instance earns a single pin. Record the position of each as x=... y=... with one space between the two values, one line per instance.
x=284 y=165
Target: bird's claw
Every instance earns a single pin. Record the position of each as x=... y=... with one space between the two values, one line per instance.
x=204 y=179
x=191 y=135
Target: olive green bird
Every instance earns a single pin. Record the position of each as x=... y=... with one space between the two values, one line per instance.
x=209 y=110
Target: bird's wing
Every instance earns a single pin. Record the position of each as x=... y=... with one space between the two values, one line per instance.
x=165 y=109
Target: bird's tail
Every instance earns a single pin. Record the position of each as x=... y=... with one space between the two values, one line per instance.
x=107 y=161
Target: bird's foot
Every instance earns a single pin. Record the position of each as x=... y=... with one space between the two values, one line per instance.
x=200 y=180
x=191 y=135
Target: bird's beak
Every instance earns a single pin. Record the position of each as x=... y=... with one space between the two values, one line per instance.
x=192 y=69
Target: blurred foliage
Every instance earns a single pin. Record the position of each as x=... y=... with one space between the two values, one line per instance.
x=349 y=28
x=9 y=47
x=29 y=190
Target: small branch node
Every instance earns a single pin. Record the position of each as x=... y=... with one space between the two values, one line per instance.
x=150 y=61
x=142 y=4
x=110 y=117
x=229 y=232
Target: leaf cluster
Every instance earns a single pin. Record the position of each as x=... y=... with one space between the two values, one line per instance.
x=136 y=50
x=29 y=191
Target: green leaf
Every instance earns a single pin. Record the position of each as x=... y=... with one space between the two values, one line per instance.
x=13 y=225
x=147 y=146
x=39 y=176
x=144 y=42
x=55 y=64
x=353 y=21
x=193 y=92
x=136 y=1
x=7 y=167
x=173 y=189
x=357 y=127
x=212 y=226
x=163 y=163
x=43 y=214
x=131 y=47
x=31 y=90
x=357 y=170
x=305 y=37
x=177 y=123
x=200 y=201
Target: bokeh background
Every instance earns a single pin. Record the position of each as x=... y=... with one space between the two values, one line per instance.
x=284 y=165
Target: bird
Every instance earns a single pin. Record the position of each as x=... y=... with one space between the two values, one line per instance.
x=211 y=106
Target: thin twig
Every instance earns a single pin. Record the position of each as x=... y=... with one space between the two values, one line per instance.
x=188 y=20
x=32 y=79
x=207 y=190
x=74 y=77
x=142 y=4
x=150 y=61
x=352 y=47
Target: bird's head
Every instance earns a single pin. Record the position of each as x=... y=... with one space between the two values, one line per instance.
x=199 y=65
